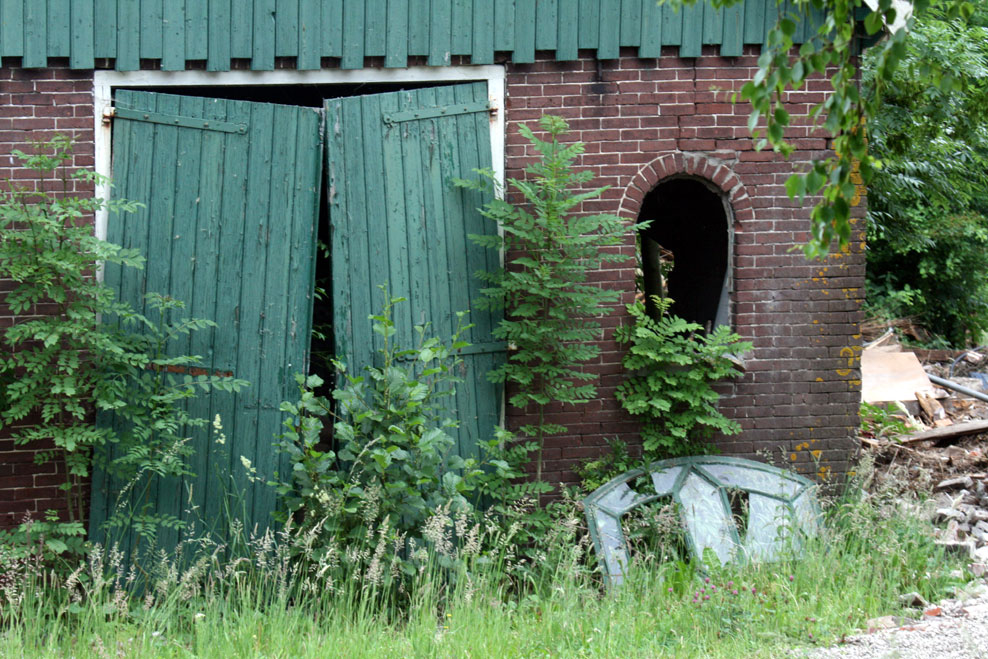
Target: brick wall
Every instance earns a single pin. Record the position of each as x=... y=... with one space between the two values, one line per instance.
x=646 y=120
x=35 y=105
x=643 y=121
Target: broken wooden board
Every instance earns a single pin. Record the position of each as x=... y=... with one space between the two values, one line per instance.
x=891 y=376
x=956 y=430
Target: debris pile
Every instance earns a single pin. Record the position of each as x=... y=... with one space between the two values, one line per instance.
x=927 y=410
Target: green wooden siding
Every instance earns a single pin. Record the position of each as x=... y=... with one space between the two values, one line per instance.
x=396 y=218
x=176 y=32
x=228 y=227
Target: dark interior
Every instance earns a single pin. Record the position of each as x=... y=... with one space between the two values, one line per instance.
x=684 y=250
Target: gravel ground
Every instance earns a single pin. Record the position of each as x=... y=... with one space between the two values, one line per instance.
x=960 y=631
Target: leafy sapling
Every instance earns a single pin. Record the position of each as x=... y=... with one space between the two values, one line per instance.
x=546 y=288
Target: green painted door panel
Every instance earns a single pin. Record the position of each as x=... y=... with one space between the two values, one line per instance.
x=396 y=218
x=231 y=198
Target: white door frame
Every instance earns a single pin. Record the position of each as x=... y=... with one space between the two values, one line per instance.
x=104 y=83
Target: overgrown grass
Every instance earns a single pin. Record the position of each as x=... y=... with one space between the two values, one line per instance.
x=494 y=603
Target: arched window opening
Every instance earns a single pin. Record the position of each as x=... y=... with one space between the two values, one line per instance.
x=685 y=250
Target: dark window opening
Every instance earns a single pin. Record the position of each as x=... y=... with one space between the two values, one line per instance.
x=685 y=251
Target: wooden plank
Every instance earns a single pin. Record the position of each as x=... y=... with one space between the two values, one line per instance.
x=196 y=30
x=440 y=32
x=59 y=28
x=332 y=27
x=713 y=25
x=524 y=46
x=250 y=310
x=11 y=29
x=173 y=36
x=423 y=148
x=218 y=57
x=589 y=23
x=631 y=22
x=504 y=25
x=418 y=27
x=672 y=26
x=651 y=39
x=262 y=53
x=224 y=459
x=609 y=43
x=375 y=28
x=242 y=30
x=546 y=23
x=339 y=229
x=567 y=30
x=35 y=35
x=83 y=35
x=396 y=54
x=151 y=28
x=310 y=27
x=770 y=16
x=353 y=35
x=105 y=28
x=483 y=33
x=461 y=40
x=692 y=43
x=956 y=430
x=754 y=21
x=286 y=28
x=732 y=42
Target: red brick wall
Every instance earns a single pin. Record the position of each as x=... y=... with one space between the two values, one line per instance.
x=642 y=121
x=645 y=120
x=35 y=105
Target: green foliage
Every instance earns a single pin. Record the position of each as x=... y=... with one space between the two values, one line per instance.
x=545 y=290
x=928 y=213
x=832 y=53
x=882 y=421
x=673 y=366
x=49 y=542
x=613 y=462
x=62 y=364
x=393 y=462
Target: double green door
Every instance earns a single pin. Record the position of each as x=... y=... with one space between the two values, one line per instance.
x=232 y=193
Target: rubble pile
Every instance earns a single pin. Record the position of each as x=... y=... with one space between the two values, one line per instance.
x=934 y=422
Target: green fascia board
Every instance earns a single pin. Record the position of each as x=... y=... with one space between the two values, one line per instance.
x=221 y=31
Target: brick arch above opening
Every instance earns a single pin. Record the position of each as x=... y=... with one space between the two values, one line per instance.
x=670 y=165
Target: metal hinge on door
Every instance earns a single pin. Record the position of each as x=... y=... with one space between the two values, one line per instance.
x=174 y=120
x=443 y=111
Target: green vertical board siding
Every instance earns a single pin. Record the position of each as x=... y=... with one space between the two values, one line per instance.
x=35 y=34
x=353 y=35
x=286 y=28
x=151 y=29
x=262 y=53
x=504 y=25
x=175 y=32
x=482 y=49
x=310 y=27
x=546 y=20
x=692 y=42
x=83 y=34
x=229 y=228
x=241 y=29
x=524 y=46
x=567 y=30
x=589 y=23
x=395 y=217
x=218 y=57
x=631 y=19
x=375 y=29
x=440 y=32
x=59 y=28
x=332 y=27
x=609 y=41
x=651 y=40
x=733 y=40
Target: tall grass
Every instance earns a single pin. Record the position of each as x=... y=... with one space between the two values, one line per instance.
x=491 y=598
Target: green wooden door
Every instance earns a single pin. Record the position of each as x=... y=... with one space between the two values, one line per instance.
x=395 y=217
x=232 y=192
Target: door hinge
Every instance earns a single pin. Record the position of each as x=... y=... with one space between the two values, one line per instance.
x=443 y=111
x=175 y=120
